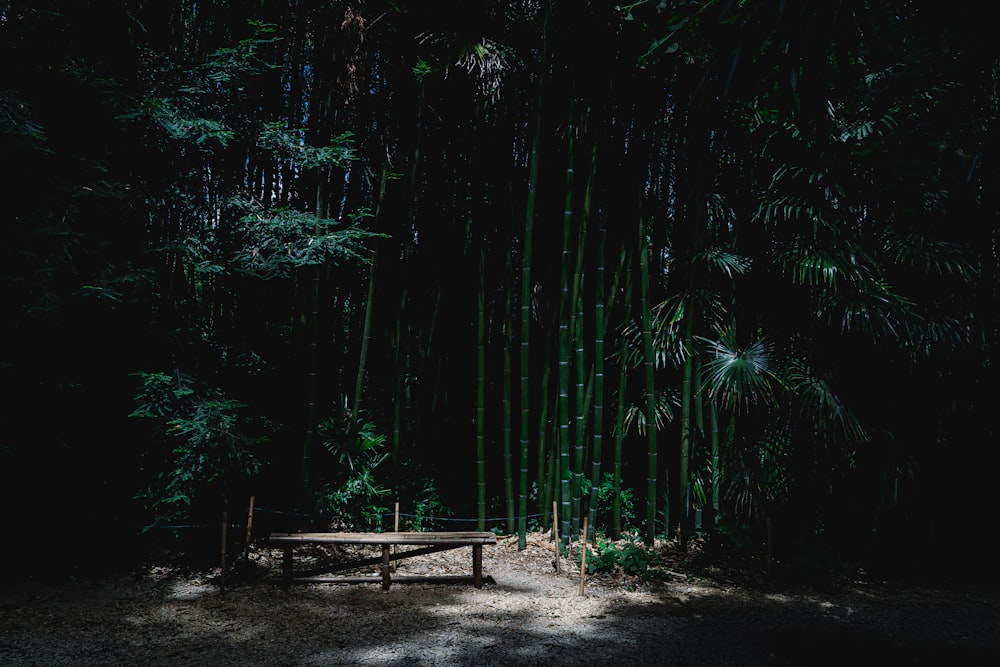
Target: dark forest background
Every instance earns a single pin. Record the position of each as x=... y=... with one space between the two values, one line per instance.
x=696 y=269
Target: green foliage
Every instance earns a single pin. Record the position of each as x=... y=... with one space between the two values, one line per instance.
x=180 y=123
x=193 y=103
x=605 y=502
x=819 y=405
x=358 y=452
x=208 y=452
x=16 y=121
x=359 y=501
x=289 y=144
x=161 y=394
x=670 y=315
x=421 y=69
x=758 y=474
x=229 y=64
x=275 y=243
x=667 y=401
x=428 y=508
x=929 y=255
x=731 y=530
x=729 y=264
x=738 y=376
x=632 y=558
x=354 y=493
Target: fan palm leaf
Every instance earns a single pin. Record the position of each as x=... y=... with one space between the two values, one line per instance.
x=736 y=376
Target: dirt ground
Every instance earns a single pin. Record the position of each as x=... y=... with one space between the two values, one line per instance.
x=525 y=614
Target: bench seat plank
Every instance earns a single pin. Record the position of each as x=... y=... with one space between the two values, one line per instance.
x=385 y=538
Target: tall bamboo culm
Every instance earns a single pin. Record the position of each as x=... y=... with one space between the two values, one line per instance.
x=566 y=310
x=508 y=454
x=524 y=357
x=544 y=498
x=649 y=365
x=598 y=434
x=481 y=396
x=624 y=266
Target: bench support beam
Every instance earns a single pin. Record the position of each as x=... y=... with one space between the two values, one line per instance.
x=432 y=542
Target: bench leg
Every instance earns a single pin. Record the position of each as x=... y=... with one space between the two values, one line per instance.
x=477 y=565
x=286 y=565
x=385 y=567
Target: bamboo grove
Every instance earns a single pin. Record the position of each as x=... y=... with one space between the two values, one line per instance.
x=678 y=268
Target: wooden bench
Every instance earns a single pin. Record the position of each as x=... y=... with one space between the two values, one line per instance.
x=430 y=543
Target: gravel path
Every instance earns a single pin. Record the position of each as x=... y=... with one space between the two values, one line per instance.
x=525 y=614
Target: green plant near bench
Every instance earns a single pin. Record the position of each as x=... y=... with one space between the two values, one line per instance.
x=632 y=558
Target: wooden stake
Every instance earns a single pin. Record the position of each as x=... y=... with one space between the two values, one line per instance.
x=246 y=548
x=222 y=577
x=555 y=532
x=395 y=529
x=583 y=556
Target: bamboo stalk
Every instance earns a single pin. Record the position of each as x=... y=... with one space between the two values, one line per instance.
x=508 y=453
x=649 y=365
x=481 y=395
x=583 y=556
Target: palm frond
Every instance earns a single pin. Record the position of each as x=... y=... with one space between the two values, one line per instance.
x=809 y=265
x=668 y=344
x=869 y=307
x=934 y=332
x=726 y=262
x=860 y=129
x=736 y=376
x=666 y=403
x=792 y=210
x=930 y=255
x=668 y=318
x=820 y=405
x=757 y=474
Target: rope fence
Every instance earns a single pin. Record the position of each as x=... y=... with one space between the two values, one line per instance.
x=313 y=518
